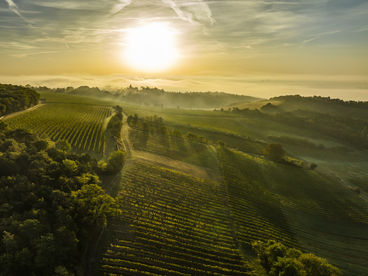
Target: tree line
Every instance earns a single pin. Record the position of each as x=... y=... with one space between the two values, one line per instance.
x=15 y=98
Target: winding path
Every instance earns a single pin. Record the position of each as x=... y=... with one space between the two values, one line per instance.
x=20 y=112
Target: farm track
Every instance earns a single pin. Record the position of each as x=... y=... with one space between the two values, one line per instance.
x=8 y=116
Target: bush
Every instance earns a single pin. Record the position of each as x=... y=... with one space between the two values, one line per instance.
x=278 y=259
x=274 y=152
x=113 y=165
x=116 y=161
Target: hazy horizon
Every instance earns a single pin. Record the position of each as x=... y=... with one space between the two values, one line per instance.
x=342 y=87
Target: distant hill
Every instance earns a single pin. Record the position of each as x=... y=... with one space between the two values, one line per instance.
x=325 y=105
x=160 y=98
x=343 y=121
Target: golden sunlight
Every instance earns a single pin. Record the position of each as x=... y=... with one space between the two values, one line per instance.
x=151 y=47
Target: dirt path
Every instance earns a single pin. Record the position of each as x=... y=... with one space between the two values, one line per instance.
x=171 y=163
x=20 y=112
x=157 y=159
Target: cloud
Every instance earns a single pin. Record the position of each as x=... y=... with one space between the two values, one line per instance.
x=120 y=5
x=14 y=8
x=361 y=29
x=317 y=36
x=192 y=11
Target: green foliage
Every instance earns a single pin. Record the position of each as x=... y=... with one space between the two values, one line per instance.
x=94 y=206
x=113 y=130
x=114 y=163
x=278 y=259
x=71 y=167
x=63 y=145
x=314 y=265
x=274 y=152
x=288 y=267
x=49 y=201
x=15 y=98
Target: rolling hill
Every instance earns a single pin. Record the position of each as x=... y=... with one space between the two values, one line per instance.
x=197 y=189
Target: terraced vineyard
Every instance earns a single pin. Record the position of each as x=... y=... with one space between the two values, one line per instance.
x=81 y=125
x=179 y=225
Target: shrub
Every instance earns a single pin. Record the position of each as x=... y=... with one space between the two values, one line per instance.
x=274 y=152
x=278 y=259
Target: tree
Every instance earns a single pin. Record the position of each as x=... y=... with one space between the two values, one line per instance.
x=115 y=161
x=63 y=145
x=278 y=260
x=269 y=252
x=274 y=152
x=318 y=266
x=93 y=205
x=44 y=227
x=287 y=267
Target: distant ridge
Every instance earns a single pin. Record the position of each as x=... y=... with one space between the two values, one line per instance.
x=158 y=97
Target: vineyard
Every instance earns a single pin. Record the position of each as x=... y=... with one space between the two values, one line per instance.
x=82 y=126
x=174 y=224
x=302 y=209
x=180 y=226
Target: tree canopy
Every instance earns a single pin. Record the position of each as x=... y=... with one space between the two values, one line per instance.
x=15 y=98
x=50 y=200
x=277 y=259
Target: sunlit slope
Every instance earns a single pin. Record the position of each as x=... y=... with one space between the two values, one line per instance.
x=306 y=207
x=79 y=121
x=176 y=223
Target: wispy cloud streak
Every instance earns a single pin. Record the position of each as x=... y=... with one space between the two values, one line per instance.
x=14 y=8
x=193 y=11
x=120 y=6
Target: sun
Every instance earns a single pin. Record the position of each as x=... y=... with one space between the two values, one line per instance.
x=151 y=47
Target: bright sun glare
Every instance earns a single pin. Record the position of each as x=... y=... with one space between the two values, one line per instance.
x=151 y=47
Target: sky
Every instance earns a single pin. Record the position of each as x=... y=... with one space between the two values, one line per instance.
x=260 y=48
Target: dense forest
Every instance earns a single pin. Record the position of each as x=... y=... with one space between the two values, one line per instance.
x=52 y=205
x=15 y=98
